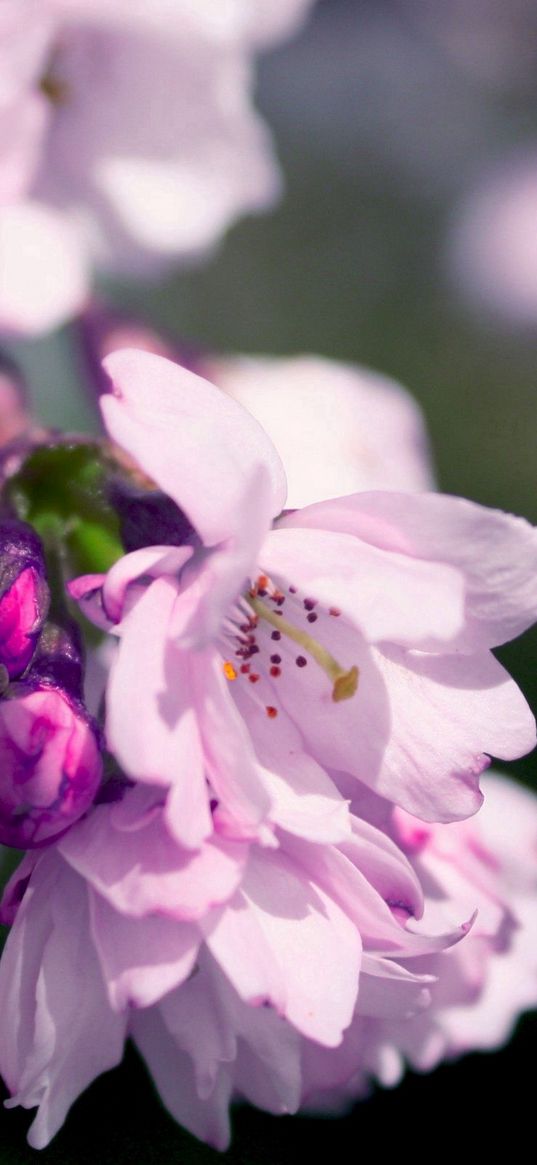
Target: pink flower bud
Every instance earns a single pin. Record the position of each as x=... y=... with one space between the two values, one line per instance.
x=24 y=596
x=50 y=764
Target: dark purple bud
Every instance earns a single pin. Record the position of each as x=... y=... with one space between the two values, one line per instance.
x=24 y=595
x=149 y=517
x=58 y=658
x=50 y=764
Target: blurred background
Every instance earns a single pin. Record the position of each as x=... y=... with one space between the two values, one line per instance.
x=407 y=241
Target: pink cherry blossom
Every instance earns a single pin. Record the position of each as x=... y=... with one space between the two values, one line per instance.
x=219 y=962
x=480 y=987
x=338 y=428
x=108 y=109
x=349 y=637
x=492 y=242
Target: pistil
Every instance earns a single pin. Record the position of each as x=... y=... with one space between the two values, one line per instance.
x=344 y=680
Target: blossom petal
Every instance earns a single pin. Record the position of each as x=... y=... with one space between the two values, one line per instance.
x=70 y=1011
x=143 y=871
x=495 y=554
x=386 y=596
x=150 y=562
x=148 y=725
x=304 y=799
x=304 y=961
x=43 y=274
x=172 y=1071
x=141 y=959
x=420 y=728
x=338 y=428
x=202 y=449
x=231 y=765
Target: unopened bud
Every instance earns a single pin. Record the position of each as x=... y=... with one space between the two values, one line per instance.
x=24 y=595
x=50 y=764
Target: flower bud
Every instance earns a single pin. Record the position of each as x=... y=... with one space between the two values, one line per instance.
x=50 y=763
x=24 y=595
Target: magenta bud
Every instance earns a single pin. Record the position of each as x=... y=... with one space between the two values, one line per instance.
x=24 y=595
x=50 y=764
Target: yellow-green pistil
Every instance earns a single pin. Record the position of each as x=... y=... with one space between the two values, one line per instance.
x=345 y=681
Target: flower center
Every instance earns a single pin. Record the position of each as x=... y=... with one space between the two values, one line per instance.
x=345 y=681
x=264 y=602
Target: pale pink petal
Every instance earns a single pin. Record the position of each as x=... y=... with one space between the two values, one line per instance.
x=303 y=798
x=389 y=990
x=271 y=19
x=386 y=596
x=305 y=961
x=144 y=132
x=87 y=591
x=388 y=869
x=419 y=729
x=230 y=763
x=173 y=1073
x=202 y=449
x=43 y=275
x=338 y=428
x=202 y=1018
x=374 y=918
x=449 y=715
x=144 y=871
x=150 y=723
x=26 y=30
x=149 y=562
x=494 y=553
x=22 y=127
x=141 y=959
x=70 y=1012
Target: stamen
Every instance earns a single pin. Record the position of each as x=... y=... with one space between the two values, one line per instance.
x=229 y=671
x=345 y=682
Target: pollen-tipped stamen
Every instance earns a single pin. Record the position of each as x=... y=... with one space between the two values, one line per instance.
x=344 y=680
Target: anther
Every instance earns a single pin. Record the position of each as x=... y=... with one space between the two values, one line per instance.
x=344 y=681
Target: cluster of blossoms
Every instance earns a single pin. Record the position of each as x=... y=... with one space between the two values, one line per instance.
x=247 y=682
x=107 y=109
x=271 y=885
